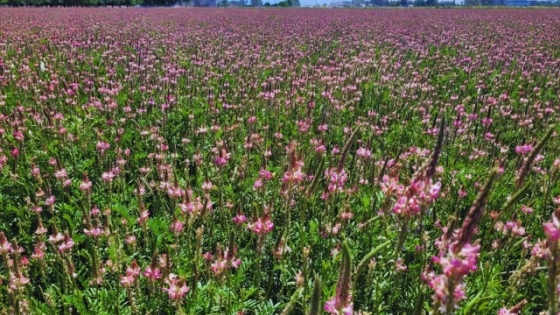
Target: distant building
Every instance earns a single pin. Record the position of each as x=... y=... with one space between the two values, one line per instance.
x=517 y=3
x=536 y=3
x=205 y=3
x=379 y=3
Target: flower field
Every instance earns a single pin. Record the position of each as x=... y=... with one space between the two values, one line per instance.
x=299 y=161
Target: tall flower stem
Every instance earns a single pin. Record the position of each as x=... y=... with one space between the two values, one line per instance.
x=552 y=279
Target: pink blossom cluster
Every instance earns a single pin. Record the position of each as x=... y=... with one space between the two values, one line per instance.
x=333 y=309
x=177 y=288
x=225 y=260
x=411 y=199
x=132 y=273
x=455 y=267
x=263 y=225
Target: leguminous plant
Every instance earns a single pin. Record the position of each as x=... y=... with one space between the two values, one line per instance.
x=238 y=161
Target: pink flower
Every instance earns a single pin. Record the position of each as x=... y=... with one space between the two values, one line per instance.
x=85 y=186
x=218 y=267
x=66 y=245
x=60 y=174
x=177 y=288
x=293 y=176
x=175 y=192
x=346 y=215
x=363 y=153
x=108 y=176
x=391 y=185
x=335 y=150
x=38 y=252
x=56 y=238
x=222 y=158
x=320 y=149
x=240 y=218
x=330 y=308
x=258 y=184
x=95 y=211
x=265 y=174
x=405 y=205
x=236 y=263
x=455 y=266
x=323 y=127
x=299 y=279
x=17 y=282
x=144 y=215
x=523 y=149
x=5 y=246
x=400 y=266
x=552 y=231
x=505 y=311
x=94 y=232
x=207 y=256
x=176 y=227
x=459 y=264
x=102 y=146
x=130 y=240
x=133 y=270
x=35 y=171
x=127 y=281
x=263 y=225
x=526 y=209
x=152 y=273
x=50 y=201
x=434 y=190
x=439 y=283
x=207 y=185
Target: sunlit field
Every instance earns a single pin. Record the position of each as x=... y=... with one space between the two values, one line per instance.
x=297 y=161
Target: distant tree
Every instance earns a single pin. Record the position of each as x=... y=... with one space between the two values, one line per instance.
x=34 y=3
x=431 y=3
x=113 y=2
x=380 y=2
x=16 y=3
x=224 y=3
x=283 y=4
x=267 y=4
x=256 y=3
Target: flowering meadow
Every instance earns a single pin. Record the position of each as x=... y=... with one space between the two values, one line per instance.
x=237 y=161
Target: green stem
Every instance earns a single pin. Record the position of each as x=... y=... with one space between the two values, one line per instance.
x=552 y=282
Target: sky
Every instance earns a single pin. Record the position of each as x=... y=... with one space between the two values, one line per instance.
x=306 y=3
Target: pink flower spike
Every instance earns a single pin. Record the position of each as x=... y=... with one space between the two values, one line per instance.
x=177 y=288
x=552 y=231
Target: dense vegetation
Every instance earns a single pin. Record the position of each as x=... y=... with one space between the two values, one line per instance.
x=264 y=161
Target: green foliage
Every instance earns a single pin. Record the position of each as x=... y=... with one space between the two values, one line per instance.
x=249 y=155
